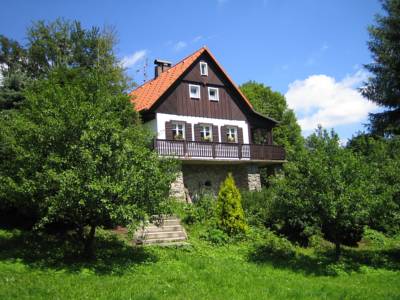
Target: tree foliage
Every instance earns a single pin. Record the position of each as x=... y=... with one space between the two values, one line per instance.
x=383 y=87
x=60 y=43
x=326 y=191
x=382 y=158
x=75 y=153
x=273 y=104
x=229 y=208
x=13 y=77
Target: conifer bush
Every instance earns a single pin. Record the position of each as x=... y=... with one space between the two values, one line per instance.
x=229 y=208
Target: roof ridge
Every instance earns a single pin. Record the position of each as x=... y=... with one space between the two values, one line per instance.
x=179 y=62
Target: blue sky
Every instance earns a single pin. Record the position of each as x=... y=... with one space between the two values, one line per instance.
x=310 y=50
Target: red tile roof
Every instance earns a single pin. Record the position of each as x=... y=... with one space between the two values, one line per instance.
x=146 y=95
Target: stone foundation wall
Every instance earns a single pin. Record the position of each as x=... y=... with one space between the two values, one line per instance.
x=194 y=180
x=177 y=189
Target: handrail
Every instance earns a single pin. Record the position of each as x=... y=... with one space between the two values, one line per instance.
x=205 y=149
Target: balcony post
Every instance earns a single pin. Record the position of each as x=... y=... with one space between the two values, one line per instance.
x=213 y=149
x=240 y=151
x=184 y=148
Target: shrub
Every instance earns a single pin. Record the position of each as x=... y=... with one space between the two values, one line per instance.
x=258 y=207
x=201 y=211
x=215 y=236
x=374 y=238
x=273 y=246
x=229 y=208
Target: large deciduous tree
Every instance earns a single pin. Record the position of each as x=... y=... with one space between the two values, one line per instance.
x=326 y=190
x=273 y=104
x=383 y=87
x=382 y=157
x=13 y=75
x=76 y=152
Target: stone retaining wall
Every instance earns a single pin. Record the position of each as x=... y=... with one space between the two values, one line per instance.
x=195 y=180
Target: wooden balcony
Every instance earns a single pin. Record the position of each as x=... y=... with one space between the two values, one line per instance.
x=210 y=150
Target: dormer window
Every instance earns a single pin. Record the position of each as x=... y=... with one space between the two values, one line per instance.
x=213 y=94
x=194 y=91
x=203 y=68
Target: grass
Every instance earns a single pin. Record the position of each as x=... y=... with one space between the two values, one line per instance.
x=33 y=267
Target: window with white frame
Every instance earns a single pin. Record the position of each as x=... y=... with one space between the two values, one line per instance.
x=194 y=91
x=203 y=68
x=213 y=94
x=178 y=131
x=206 y=133
x=231 y=134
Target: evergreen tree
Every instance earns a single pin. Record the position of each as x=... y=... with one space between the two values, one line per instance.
x=229 y=206
x=383 y=87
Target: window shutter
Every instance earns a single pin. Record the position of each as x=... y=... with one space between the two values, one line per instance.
x=168 y=130
x=240 y=135
x=197 y=132
x=188 y=131
x=223 y=134
x=215 y=134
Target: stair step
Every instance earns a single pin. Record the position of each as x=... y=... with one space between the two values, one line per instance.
x=164 y=240
x=153 y=228
x=170 y=222
x=164 y=234
x=170 y=244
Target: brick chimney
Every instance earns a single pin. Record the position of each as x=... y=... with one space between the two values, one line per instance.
x=161 y=66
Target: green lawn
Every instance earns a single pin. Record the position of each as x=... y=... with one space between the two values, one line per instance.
x=33 y=268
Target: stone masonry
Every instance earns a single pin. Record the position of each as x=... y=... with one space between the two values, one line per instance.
x=194 y=180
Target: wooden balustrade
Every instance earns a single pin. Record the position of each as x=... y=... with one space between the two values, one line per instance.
x=196 y=149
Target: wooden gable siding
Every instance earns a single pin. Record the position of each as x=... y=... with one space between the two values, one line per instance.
x=177 y=100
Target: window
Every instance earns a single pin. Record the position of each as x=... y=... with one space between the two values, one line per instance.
x=203 y=69
x=231 y=134
x=194 y=91
x=213 y=94
x=206 y=133
x=178 y=131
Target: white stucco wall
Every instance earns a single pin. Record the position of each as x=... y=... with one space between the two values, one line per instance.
x=160 y=120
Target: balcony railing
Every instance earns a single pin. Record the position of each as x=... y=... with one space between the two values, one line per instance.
x=203 y=150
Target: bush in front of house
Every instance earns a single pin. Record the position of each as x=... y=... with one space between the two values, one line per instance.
x=230 y=215
x=258 y=207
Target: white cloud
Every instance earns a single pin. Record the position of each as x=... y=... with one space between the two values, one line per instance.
x=179 y=45
x=131 y=60
x=320 y=99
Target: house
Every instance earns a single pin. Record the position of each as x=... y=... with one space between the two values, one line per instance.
x=201 y=117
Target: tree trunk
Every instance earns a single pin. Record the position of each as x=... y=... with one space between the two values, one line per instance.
x=338 y=250
x=88 y=251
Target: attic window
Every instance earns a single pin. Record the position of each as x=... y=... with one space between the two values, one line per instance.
x=203 y=69
x=213 y=94
x=194 y=91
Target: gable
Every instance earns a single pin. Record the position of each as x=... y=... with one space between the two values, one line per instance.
x=177 y=100
x=169 y=87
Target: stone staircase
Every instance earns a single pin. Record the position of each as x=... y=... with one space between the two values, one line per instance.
x=162 y=231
